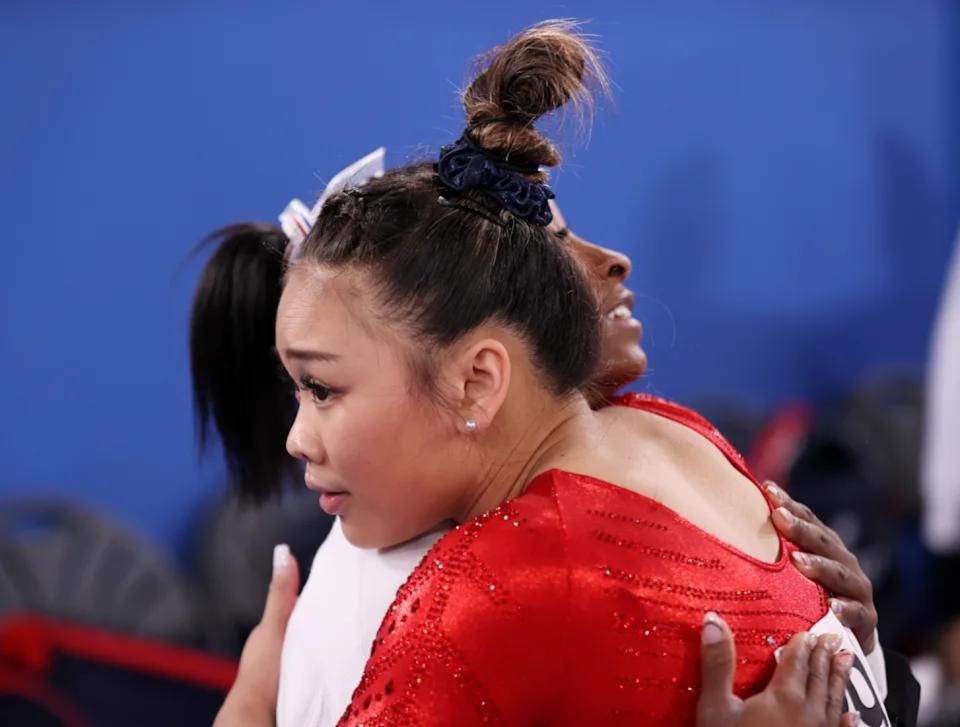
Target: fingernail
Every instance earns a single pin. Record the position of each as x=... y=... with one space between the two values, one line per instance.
x=712 y=632
x=845 y=660
x=832 y=642
x=281 y=557
x=836 y=606
x=788 y=516
x=773 y=490
x=856 y=718
x=811 y=640
x=801 y=558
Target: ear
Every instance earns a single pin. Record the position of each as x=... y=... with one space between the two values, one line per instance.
x=483 y=379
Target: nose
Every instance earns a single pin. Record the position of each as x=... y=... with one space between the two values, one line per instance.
x=300 y=443
x=606 y=264
x=616 y=265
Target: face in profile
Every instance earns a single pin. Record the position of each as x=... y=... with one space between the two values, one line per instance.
x=378 y=452
x=622 y=358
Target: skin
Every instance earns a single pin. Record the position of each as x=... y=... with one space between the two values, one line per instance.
x=623 y=360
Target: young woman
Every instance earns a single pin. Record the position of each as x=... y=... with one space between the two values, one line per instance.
x=495 y=348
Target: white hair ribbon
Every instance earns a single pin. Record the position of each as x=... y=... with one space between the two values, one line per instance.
x=297 y=219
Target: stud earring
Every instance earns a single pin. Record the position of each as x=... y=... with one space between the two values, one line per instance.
x=470 y=426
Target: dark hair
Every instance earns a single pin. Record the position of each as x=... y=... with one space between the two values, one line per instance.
x=546 y=67
x=443 y=262
x=237 y=384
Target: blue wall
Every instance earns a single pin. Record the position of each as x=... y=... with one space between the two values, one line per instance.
x=780 y=172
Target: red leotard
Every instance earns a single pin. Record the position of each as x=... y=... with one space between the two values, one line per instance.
x=577 y=603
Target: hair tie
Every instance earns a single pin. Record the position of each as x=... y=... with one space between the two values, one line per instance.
x=463 y=166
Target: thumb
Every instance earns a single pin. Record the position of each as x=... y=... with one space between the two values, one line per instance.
x=284 y=586
x=717 y=665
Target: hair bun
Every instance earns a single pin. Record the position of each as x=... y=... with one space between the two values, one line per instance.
x=540 y=70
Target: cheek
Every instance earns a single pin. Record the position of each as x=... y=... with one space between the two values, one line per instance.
x=400 y=470
x=384 y=440
x=360 y=440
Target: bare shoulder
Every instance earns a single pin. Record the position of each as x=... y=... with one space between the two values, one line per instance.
x=684 y=470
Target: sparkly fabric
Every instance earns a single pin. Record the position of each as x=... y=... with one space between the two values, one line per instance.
x=577 y=603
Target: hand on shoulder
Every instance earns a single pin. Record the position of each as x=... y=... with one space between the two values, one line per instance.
x=806 y=690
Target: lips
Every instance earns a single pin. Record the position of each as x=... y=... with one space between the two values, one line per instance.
x=332 y=501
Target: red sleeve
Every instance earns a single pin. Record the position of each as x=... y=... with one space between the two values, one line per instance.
x=472 y=637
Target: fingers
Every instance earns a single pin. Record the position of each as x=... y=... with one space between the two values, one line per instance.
x=812 y=537
x=822 y=556
x=836 y=690
x=782 y=499
x=825 y=559
x=284 y=586
x=801 y=526
x=717 y=665
x=835 y=576
x=794 y=667
x=858 y=618
x=851 y=614
x=818 y=677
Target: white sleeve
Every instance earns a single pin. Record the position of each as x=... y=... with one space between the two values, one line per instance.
x=878 y=665
x=940 y=466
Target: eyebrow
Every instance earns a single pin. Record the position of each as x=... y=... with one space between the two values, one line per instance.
x=562 y=232
x=310 y=355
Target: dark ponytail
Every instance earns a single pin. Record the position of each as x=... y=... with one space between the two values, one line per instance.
x=237 y=385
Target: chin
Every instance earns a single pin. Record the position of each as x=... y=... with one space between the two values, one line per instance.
x=369 y=536
x=366 y=538
x=623 y=372
x=639 y=364
x=625 y=368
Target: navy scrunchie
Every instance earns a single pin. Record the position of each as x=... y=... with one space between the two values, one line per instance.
x=463 y=166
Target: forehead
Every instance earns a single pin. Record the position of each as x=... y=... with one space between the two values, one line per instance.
x=322 y=308
x=558 y=223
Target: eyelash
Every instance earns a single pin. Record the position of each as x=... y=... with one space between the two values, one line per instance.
x=318 y=392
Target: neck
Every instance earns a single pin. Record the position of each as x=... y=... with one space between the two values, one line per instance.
x=532 y=437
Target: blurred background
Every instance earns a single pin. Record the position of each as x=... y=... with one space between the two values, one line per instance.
x=785 y=177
